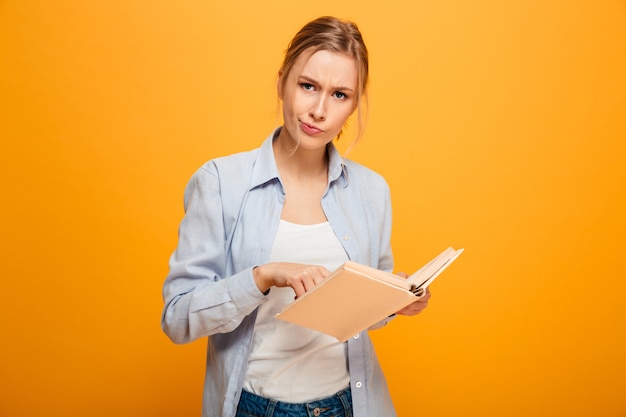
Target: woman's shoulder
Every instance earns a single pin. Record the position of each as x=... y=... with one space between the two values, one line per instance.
x=240 y=162
x=227 y=176
x=236 y=163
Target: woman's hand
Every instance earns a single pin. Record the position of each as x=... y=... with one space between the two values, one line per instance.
x=300 y=277
x=416 y=307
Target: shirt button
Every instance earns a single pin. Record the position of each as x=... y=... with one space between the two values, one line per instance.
x=358 y=384
x=356 y=336
x=346 y=238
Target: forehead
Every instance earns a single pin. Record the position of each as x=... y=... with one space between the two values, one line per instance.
x=326 y=66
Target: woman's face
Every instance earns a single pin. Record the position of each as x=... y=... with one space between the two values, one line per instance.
x=318 y=97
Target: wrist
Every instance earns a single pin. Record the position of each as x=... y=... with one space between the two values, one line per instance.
x=260 y=280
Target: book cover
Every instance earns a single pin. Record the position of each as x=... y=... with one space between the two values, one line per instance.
x=354 y=297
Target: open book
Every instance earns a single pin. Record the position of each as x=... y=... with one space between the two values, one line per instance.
x=355 y=297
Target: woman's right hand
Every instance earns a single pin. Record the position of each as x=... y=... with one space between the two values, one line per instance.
x=300 y=277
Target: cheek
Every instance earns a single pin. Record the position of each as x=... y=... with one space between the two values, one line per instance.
x=287 y=106
x=297 y=105
x=344 y=112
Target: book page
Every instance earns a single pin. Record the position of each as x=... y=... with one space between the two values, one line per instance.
x=377 y=274
x=427 y=274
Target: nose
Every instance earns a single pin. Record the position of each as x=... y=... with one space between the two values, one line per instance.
x=318 y=111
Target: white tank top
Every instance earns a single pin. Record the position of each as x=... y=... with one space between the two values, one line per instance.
x=290 y=363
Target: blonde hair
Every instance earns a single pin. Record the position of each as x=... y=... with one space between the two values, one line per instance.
x=335 y=35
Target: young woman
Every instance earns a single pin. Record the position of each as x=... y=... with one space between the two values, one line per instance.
x=263 y=226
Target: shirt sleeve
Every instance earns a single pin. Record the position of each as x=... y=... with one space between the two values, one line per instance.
x=200 y=300
x=385 y=259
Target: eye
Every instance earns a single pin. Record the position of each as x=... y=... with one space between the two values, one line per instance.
x=340 y=95
x=307 y=86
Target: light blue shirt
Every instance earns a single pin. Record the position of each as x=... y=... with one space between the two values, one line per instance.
x=232 y=212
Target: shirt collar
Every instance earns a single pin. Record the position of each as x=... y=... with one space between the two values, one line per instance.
x=265 y=168
x=336 y=165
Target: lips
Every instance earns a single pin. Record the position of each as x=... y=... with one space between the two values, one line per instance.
x=310 y=129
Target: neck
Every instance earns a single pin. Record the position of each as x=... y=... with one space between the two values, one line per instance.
x=299 y=162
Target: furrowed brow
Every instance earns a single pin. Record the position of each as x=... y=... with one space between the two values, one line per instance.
x=305 y=78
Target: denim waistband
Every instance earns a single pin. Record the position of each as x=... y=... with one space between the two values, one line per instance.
x=339 y=404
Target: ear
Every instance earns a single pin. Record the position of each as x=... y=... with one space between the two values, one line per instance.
x=279 y=84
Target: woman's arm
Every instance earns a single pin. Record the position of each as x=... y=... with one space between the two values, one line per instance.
x=200 y=299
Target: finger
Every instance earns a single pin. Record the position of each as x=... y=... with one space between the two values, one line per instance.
x=320 y=274
x=298 y=288
x=311 y=280
x=410 y=311
x=415 y=307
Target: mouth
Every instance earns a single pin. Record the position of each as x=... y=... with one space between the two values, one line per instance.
x=310 y=129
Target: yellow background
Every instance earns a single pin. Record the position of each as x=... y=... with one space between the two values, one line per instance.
x=500 y=126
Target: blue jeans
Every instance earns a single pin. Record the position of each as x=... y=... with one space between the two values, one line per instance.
x=339 y=405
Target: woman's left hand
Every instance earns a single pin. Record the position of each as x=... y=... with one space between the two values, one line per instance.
x=416 y=307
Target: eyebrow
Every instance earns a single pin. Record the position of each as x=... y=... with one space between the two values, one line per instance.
x=312 y=81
